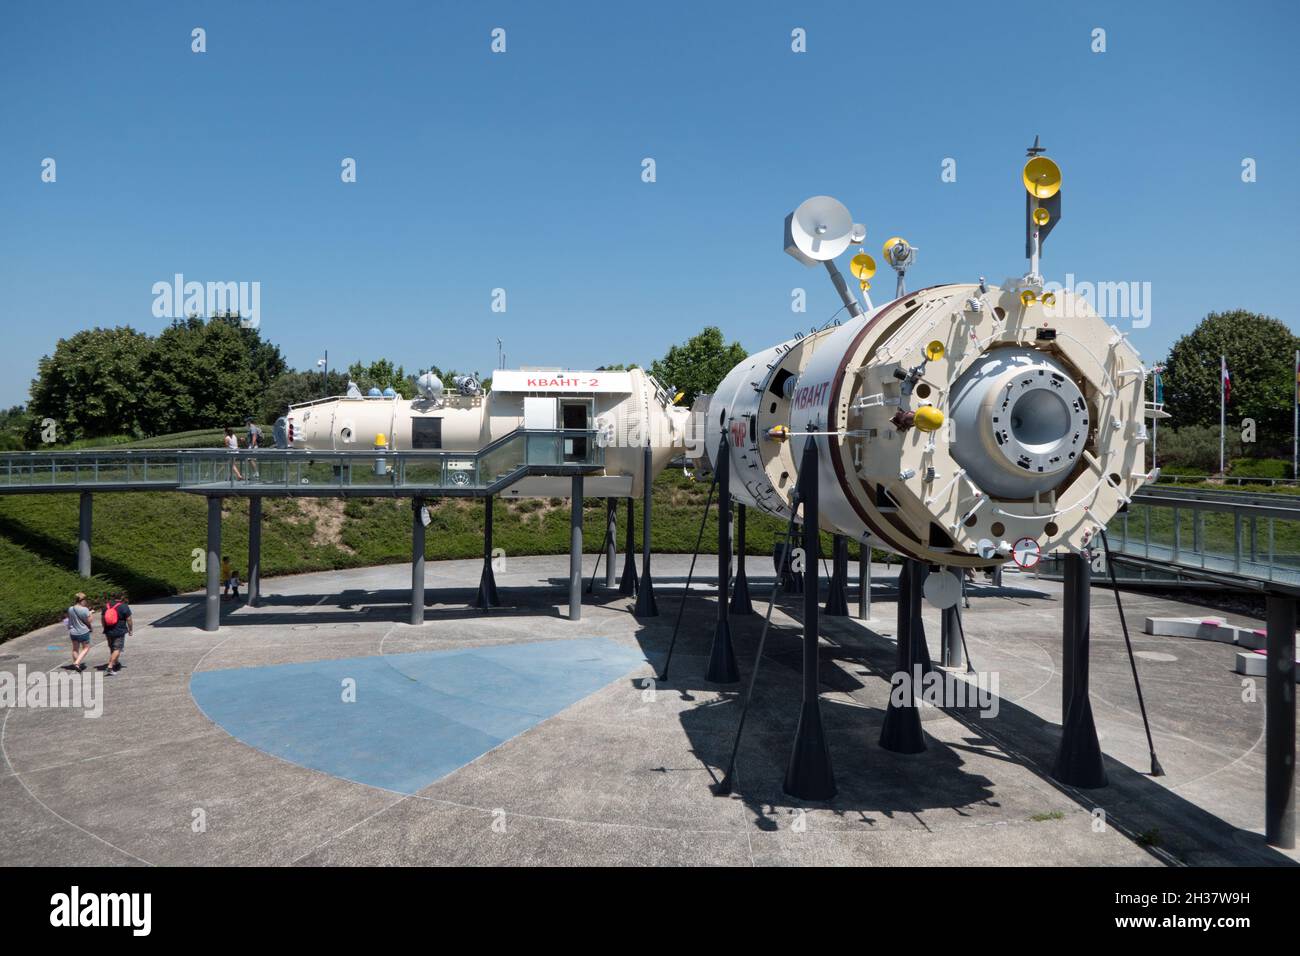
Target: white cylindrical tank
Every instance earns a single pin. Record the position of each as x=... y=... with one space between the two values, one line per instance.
x=950 y=424
x=624 y=408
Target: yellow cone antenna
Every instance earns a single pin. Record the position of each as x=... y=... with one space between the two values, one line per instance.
x=1041 y=216
x=934 y=351
x=1042 y=177
x=862 y=266
x=1049 y=299
x=1027 y=297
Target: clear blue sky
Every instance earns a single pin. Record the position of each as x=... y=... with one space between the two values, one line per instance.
x=523 y=170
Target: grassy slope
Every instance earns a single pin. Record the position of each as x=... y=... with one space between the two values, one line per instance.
x=145 y=542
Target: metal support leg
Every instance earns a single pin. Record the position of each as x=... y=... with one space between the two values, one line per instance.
x=1079 y=762
x=1279 y=725
x=901 y=731
x=920 y=646
x=212 y=599
x=254 y=550
x=611 y=540
x=487 y=597
x=864 y=578
x=83 y=535
x=740 y=603
x=627 y=583
x=575 y=549
x=417 y=561
x=837 y=597
x=722 y=656
x=810 y=776
x=950 y=628
x=645 y=595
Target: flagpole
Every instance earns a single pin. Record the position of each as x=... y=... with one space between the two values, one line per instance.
x=1223 y=381
x=1295 y=425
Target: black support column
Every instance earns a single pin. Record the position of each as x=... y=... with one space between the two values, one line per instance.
x=901 y=732
x=1079 y=762
x=722 y=656
x=487 y=597
x=212 y=597
x=627 y=583
x=83 y=534
x=809 y=776
x=740 y=602
x=1279 y=724
x=611 y=540
x=254 y=550
x=645 y=595
x=575 y=549
x=417 y=561
x=864 y=578
x=950 y=627
x=837 y=596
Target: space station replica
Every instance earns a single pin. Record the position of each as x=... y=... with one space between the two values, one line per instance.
x=623 y=410
x=960 y=425
x=963 y=425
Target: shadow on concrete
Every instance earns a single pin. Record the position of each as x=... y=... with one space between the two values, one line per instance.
x=874 y=782
x=63 y=552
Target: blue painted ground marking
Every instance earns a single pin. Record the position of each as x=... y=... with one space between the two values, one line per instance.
x=417 y=716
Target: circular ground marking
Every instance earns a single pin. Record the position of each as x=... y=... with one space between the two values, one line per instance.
x=1155 y=656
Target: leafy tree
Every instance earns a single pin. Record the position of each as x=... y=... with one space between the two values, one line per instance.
x=204 y=374
x=1260 y=351
x=698 y=365
x=14 y=424
x=382 y=374
x=290 y=388
x=94 y=384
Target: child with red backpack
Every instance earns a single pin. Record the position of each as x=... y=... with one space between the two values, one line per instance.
x=117 y=625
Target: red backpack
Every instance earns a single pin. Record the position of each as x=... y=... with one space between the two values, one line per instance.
x=110 y=615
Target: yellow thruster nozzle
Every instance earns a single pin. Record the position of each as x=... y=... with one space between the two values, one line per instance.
x=928 y=418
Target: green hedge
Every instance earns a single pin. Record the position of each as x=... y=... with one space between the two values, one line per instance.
x=146 y=543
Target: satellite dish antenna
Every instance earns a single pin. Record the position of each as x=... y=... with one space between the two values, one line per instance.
x=1042 y=177
x=821 y=228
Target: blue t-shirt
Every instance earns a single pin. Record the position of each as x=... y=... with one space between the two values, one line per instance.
x=118 y=629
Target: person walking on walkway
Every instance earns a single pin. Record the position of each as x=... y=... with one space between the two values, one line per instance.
x=79 y=616
x=254 y=442
x=232 y=444
x=117 y=625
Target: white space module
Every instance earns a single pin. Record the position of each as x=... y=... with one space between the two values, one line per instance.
x=961 y=425
x=622 y=409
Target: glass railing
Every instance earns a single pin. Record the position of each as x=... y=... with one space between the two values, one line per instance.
x=456 y=472
x=89 y=469
x=1254 y=536
x=553 y=451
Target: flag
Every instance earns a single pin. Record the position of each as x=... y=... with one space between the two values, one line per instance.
x=1158 y=385
x=1227 y=379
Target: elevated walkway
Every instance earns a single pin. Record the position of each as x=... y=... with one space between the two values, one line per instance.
x=1238 y=539
x=274 y=472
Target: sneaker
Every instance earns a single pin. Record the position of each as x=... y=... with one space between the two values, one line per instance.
x=109 y=672
x=117 y=666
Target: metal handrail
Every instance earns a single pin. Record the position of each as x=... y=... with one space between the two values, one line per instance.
x=207 y=468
